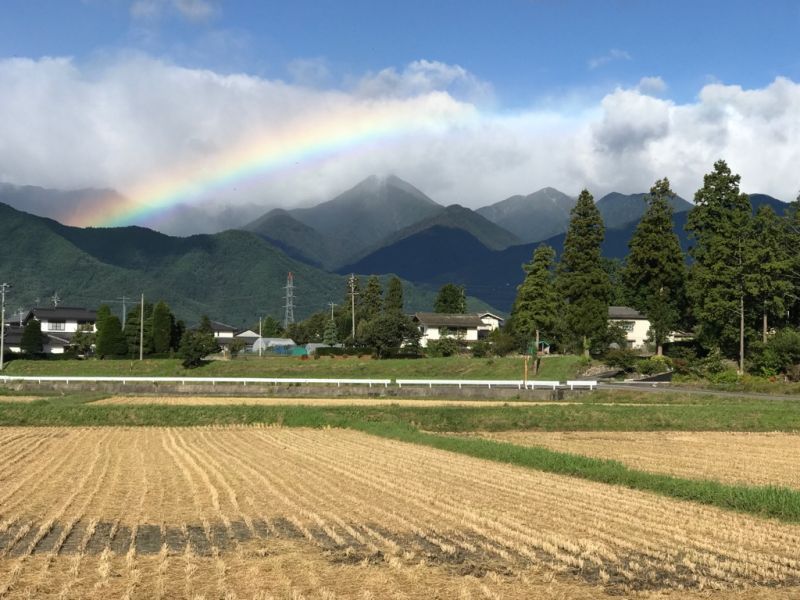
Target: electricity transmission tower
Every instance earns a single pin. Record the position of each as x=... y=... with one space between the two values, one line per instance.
x=288 y=315
x=55 y=299
x=4 y=287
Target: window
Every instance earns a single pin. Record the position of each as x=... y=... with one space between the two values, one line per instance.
x=56 y=326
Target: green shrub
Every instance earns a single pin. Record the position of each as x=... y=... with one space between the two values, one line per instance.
x=780 y=352
x=654 y=365
x=481 y=349
x=622 y=358
x=442 y=347
x=726 y=376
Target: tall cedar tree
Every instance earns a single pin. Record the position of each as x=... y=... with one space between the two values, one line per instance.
x=393 y=303
x=537 y=304
x=32 y=341
x=451 y=299
x=371 y=300
x=133 y=332
x=655 y=274
x=719 y=225
x=102 y=314
x=162 y=325
x=770 y=270
x=110 y=339
x=581 y=279
x=793 y=241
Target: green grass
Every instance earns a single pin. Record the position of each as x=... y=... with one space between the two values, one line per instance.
x=767 y=501
x=454 y=367
x=719 y=416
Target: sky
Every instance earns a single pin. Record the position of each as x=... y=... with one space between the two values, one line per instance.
x=213 y=103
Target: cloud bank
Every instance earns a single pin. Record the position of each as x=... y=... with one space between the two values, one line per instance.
x=131 y=118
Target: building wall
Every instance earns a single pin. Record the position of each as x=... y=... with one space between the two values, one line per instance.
x=62 y=327
x=432 y=333
x=636 y=330
x=223 y=334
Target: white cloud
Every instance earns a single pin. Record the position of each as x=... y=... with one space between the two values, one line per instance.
x=127 y=121
x=612 y=55
x=652 y=86
x=193 y=10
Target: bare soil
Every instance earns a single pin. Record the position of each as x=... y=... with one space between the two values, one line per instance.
x=260 y=512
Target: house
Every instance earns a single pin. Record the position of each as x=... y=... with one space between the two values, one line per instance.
x=249 y=338
x=491 y=322
x=59 y=325
x=635 y=324
x=223 y=334
x=470 y=327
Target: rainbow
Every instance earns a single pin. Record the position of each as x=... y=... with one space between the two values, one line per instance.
x=277 y=153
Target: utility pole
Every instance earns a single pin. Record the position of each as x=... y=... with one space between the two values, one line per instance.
x=55 y=300
x=352 y=282
x=4 y=287
x=288 y=315
x=20 y=314
x=331 y=304
x=141 y=332
x=260 y=343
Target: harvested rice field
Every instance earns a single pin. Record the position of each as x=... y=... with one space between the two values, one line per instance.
x=750 y=458
x=251 y=512
x=23 y=399
x=269 y=401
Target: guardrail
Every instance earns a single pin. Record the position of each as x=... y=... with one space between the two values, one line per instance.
x=517 y=383
x=184 y=380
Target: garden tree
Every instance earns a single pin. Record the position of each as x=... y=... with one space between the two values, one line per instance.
x=371 y=300
x=102 y=314
x=178 y=329
x=581 y=280
x=393 y=303
x=270 y=327
x=195 y=346
x=330 y=335
x=205 y=324
x=32 y=341
x=237 y=346
x=451 y=299
x=536 y=306
x=388 y=332
x=310 y=330
x=721 y=248
x=655 y=273
x=162 y=323
x=83 y=339
x=110 y=338
x=770 y=267
x=132 y=330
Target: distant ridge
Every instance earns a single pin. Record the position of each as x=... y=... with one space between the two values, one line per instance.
x=534 y=217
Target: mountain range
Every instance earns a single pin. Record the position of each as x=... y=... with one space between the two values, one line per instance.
x=232 y=276
x=382 y=225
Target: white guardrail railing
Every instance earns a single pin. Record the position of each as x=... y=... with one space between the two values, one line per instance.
x=490 y=383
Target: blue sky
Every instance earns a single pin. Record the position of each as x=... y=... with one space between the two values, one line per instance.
x=528 y=50
x=609 y=95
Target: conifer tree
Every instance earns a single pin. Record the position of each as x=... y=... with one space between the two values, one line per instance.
x=133 y=332
x=655 y=272
x=32 y=341
x=161 y=327
x=537 y=303
x=110 y=339
x=394 y=296
x=451 y=299
x=371 y=300
x=769 y=267
x=581 y=279
x=330 y=334
x=718 y=280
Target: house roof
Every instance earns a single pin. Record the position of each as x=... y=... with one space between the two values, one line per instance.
x=247 y=334
x=448 y=320
x=64 y=313
x=625 y=313
x=488 y=314
x=217 y=326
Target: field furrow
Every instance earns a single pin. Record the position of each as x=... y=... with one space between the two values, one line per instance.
x=241 y=512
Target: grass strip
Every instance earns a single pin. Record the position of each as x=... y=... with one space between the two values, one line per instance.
x=754 y=416
x=766 y=501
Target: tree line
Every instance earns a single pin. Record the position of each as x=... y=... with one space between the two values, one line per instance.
x=738 y=285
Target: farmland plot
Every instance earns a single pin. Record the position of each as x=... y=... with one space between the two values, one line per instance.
x=293 y=513
x=751 y=458
x=272 y=401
